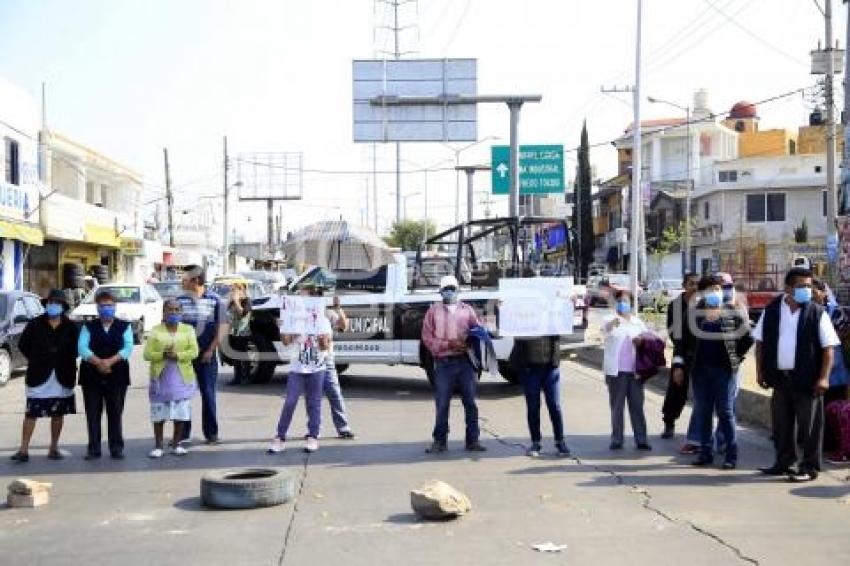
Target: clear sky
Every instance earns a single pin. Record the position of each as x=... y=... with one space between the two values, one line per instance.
x=129 y=77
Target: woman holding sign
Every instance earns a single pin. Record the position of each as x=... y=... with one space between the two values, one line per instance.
x=308 y=332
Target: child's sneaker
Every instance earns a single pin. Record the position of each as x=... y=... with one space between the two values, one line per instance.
x=155 y=453
x=179 y=451
x=311 y=445
x=276 y=446
x=534 y=451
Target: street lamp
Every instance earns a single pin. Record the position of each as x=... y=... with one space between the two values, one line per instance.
x=405 y=197
x=425 y=171
x=457 y=152
x=686 y=247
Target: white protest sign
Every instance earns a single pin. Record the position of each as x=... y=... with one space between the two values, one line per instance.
x=302 y=315
x=536 y=306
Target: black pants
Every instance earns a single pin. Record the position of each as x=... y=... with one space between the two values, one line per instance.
x=797 y=418
x=106 y=395
x=675 y=399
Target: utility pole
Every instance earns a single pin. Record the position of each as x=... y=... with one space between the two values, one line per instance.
x=169 y=199
x=831 y=200
x=225 y=243
x=397 y=55
x=637 y=198
x=844 y=201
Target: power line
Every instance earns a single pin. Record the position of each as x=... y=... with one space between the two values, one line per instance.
x=758 y=38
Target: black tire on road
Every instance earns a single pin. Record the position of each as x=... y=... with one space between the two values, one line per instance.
x=341 y=368
x=507 y=372
x=259 y=368
x=247 y=488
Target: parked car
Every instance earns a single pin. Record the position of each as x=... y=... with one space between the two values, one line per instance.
x=140 y=305
x=659 y=293
x=601 y=289
x=169 y=289
x=17 y=308
x=221 y=286
x=273 y=281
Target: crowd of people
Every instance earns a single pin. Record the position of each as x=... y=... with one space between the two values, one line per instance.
x=798 y=355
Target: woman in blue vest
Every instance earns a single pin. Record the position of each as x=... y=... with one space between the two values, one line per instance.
x=105 y=346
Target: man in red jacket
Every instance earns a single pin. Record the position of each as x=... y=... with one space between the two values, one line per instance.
x=444 y=332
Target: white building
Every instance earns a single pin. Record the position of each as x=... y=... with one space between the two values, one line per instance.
x=19 y=187
x=752 y=207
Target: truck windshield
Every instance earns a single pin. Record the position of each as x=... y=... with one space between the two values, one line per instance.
x=343 y=281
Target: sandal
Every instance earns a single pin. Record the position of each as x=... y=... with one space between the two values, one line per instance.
x=55 y=455
x=21 y=457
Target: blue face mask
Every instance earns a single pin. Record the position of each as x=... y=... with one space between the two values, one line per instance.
x=54 y=310
x=449 y=296
x=713 y=299
x=173 y=318
x=802 y=295
x=106 y=311
x=624 y=307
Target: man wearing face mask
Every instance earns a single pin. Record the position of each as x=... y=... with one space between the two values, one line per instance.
x=105 y=345
x=794 y=350
x=677 y=390
x=444 y=332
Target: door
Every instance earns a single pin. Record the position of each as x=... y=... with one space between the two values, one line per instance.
x=20 y=318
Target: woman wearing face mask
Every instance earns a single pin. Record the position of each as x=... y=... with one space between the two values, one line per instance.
x=170 y=349
x=719 y=336
x=622 y=333
x=105 y=345
x=49 y=343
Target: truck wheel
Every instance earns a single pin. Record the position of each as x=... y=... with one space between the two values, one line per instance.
x=260 y=369
x=341 y=368
x=508 y=374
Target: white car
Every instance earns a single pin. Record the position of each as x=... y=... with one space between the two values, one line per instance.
x=140 y=305
x=660 y=293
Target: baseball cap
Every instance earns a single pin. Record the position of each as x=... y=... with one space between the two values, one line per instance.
x=448 y=281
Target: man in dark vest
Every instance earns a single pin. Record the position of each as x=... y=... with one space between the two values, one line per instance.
x=794 y=340
x=677 y=390
x=105 y=346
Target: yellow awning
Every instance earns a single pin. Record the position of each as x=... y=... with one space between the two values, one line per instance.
x=101 y=235
x=26 y=233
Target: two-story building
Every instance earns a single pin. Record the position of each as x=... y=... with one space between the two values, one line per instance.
x=20 y=230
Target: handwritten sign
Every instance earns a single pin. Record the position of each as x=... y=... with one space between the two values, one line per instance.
x=302 y=315
x=536 y=306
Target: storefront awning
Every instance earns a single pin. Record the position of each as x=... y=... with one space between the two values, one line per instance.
x=27 y=233
x=101 y=235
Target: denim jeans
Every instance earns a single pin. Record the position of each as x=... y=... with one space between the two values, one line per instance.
x=206 y=375
x=450 y=373
x=714 y=392
x=334 y=394
x=719 y=439
x=311 y=385
x=548 y=380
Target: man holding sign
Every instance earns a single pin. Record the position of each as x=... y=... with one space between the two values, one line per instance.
x=444 y=332
x=307 y=331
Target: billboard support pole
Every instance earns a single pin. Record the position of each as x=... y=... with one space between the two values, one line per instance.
x=513 y=204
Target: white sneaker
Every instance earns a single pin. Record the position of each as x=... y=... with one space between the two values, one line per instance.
x=155 y=453
x=179 y=451
x=311 y=445
x=276 y=447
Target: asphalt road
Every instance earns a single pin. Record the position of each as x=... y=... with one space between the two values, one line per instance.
x=353 y=505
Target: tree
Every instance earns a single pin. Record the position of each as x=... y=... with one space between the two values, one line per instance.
x=409 y=234
x=582 y=209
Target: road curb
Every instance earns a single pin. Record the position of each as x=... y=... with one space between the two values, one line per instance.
x=751 y=407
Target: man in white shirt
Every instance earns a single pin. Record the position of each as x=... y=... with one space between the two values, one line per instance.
x=794 y=348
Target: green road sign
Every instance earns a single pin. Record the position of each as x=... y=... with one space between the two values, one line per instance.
x=541 y=169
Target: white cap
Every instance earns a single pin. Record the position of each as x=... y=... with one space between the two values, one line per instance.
x=448 y=281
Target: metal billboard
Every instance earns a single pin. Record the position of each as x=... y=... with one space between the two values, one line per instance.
x=414 y=77
x=269 y=176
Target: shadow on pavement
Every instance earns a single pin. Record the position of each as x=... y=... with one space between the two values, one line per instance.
x=822 y=491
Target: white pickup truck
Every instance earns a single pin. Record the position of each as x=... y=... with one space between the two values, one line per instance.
x=385 y=315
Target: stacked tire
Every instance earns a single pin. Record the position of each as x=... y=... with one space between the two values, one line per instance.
x=72 y=276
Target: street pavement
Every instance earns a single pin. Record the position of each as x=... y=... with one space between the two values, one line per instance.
x=353 y=504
